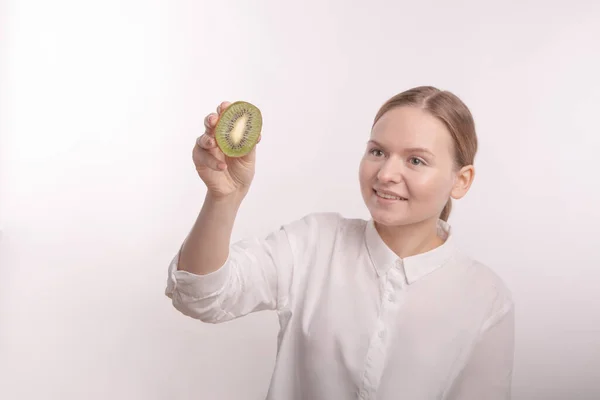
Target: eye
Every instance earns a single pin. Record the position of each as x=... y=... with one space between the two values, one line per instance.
x=416 y=161
x=376 y=152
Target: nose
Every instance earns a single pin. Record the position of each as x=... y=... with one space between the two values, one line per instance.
x=390 y=171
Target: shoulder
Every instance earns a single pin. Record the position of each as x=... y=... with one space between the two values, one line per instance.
x=324 y=228
x=324 y=222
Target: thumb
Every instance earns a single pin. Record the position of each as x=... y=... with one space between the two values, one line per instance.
x=251 y=156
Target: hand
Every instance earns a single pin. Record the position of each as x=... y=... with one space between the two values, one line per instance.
x=222 y=175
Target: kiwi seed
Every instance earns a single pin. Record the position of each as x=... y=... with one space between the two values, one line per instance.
x=238 y=129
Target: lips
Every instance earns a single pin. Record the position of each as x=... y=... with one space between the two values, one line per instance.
x=386 y=194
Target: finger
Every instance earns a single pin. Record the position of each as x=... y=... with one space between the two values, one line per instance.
x=210 y=121
x=206 y=142
x=203 y=157
x=259 y=137
x=209 y=144
x=223 y=106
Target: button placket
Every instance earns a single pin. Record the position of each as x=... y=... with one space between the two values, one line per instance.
x=376 y=353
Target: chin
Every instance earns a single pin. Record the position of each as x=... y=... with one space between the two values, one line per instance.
x=389 y=217
x=385 y=219
x=394 y=215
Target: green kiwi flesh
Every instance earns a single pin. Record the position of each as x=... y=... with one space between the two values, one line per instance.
x=238 y=129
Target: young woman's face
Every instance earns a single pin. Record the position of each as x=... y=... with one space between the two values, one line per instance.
x=407 y=173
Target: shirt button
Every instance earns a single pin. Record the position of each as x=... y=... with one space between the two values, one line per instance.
x=391 y=298
x=381 y=333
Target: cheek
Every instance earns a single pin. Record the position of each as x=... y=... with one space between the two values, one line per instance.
x=366 y=172
x=429 y=185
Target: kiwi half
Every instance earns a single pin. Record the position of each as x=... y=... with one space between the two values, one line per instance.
x=238 y=129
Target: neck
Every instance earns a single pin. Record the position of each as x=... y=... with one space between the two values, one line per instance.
x=410 y=240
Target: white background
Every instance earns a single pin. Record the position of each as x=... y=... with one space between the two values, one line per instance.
x=101 y=102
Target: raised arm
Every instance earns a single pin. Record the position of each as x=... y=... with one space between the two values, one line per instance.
x=210 y=279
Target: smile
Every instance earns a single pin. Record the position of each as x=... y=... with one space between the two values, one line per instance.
x=388 y=196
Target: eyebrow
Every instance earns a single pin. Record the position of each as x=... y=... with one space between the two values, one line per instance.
x=407 y=150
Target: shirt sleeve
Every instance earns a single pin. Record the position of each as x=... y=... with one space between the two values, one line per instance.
x=488 y=372
x=256 y=276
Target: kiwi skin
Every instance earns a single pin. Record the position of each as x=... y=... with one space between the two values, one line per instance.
x=227 y=122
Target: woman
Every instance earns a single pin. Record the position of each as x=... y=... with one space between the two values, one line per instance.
x=388 y=308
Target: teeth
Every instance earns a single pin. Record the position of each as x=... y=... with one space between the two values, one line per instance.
x=387 y=196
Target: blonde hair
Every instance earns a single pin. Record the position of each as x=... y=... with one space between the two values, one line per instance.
x=452 y=112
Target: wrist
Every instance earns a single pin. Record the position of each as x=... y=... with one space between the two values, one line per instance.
x=232 y=200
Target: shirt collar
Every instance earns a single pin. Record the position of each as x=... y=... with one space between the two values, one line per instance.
x=416 y=266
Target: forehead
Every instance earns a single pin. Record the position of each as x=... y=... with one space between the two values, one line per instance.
x=411 y=127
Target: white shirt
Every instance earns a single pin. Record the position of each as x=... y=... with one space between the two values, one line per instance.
x=358 y=322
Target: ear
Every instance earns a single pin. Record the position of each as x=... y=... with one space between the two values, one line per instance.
x=463 y=180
